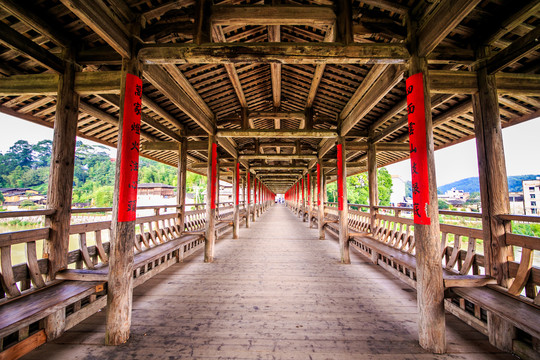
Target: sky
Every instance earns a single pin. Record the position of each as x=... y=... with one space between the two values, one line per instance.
x=452 y=163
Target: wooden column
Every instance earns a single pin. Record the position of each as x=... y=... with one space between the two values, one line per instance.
x=373 y=186
x=310 y=197
x=304 y=198
x=181 y=183
x=61 y=185
x=343 y=207
x=493 y=193
x=320 y=198
x=211 y=193
x=120 y=284
x=254 y=198
x=430 y=288
x=248 y=192
x=236 y=198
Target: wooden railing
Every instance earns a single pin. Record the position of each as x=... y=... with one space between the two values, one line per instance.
x=150 y=231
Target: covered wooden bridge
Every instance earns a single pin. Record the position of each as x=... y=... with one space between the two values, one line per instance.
x=277 y=97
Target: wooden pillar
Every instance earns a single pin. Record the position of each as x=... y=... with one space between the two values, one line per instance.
x=320 y=198
x=236 y=200
x=303 y=198
x=309 y=197
x=343 y=207
x=211 y=193
x=248 y=203
x=120 y=284
x=254 y=198
x=430 y=288
x=373 y=186
x=493 y=193
x=181 y=183
x=60 y=189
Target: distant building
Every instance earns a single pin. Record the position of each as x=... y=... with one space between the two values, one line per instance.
x=13 y=197
x=152 y=189
x=516 y=203
x=531 y=196
x=455 y=197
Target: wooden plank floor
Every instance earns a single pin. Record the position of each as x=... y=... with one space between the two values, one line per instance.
x=275 y=293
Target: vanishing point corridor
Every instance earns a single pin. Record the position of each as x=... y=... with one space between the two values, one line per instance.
x=276 y=292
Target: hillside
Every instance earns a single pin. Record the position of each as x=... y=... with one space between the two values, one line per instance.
x=472 y=185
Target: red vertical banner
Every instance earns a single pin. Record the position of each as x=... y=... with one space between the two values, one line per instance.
x=129 y=159
x=237 y=183
x=418 y=147
x=308 y=190
x=213 y=192
x=248 y=188
x=340 y=176
x=318 y=184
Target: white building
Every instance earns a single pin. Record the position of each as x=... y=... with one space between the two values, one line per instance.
x=531 y=196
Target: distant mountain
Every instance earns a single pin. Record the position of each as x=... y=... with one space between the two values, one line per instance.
x=472 y=185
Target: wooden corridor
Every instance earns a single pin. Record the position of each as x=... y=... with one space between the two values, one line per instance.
x=276 y=292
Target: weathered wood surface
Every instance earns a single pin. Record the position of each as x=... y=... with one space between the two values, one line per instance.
x=274 y=292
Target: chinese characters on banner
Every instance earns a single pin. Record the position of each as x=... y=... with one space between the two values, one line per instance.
x=418 y=147
x=213 y=189
x=129 y=162
x=340 y=176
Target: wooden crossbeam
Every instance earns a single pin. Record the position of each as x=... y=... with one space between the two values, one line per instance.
x=173 y=146
x=19 y=42
x=277 y=133
x=86 y=83
x=514 y=51
x=276 y=115
x=284 y=53
x=387 y=80
x=276 y=157
x=103 y=22
x=465 y=82
x=226 y=15
x=278 y=167
x=274 y=36
x=446 y=16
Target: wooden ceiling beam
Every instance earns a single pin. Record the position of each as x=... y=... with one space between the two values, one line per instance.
x=388 y=5
x=464 y=82
x=14 y=40
x=514 y=51
x=510 y=21
x=272 y=115
x=277 y=167
x=388 y=79
x=180 y=96
x=276 y=157
x=86 y=83
x=149 y=103
x=444 y=18
x=95 y=15
x=36 y=22
x=274 y=36
x=284 y=53
x=263 y=15
x=298 y=134
x=173 y=146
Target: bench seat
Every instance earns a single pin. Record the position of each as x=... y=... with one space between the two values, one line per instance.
x=27 y=309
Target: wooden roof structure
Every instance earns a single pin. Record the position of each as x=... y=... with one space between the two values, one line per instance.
x=275 y=81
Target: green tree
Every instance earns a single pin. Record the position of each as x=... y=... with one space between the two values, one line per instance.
x=196 y=184
x=42 y=153
x=2 y=198
x=103 y=196
x=443 y=205
x=21 y=153
x=358 y=188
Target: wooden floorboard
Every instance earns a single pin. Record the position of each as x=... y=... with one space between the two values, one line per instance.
x=277 y=292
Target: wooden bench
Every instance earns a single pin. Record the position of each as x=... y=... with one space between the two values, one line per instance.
x=480 y=290
x=79 y=293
